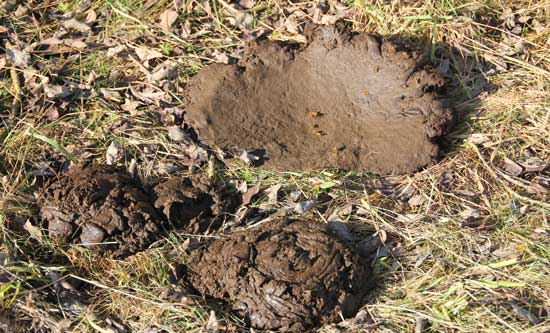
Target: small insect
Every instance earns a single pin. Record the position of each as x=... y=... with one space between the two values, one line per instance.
x=314 y=114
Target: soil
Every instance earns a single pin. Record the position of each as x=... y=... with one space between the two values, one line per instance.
x=346 y=101
x=103 y=208
x=195 y=204
x=288 y=275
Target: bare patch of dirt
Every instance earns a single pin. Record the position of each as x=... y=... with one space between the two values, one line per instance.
x=288 y=275
x=103 y=208
x=345 y=101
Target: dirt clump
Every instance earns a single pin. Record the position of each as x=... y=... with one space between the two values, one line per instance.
x=288 y=275
x=195 y=204
x=345 y=101
x=101 y=207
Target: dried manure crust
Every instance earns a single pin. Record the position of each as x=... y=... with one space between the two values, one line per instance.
x=104 y=208
x=288 y=275
x=343 y=101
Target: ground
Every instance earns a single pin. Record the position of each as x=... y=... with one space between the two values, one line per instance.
x=466 y=241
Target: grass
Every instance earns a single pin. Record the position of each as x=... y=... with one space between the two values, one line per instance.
x=489 y=276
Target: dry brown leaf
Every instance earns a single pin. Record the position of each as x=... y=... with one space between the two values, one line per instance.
x=57 y=91
x=18 y=58
x=167 y=19
x=250 y=193
x=539 y=185
x=113 y=51
x=512 y=167
x=533 y=164
x=73 y=24
x=146 y=54
x=177 y=134
x=165 y=70
x=247 y=3
x=130 y=106
x=91 y=17
x=111 y=95
x=113 y=153
x=33 y=231
x=75 y=44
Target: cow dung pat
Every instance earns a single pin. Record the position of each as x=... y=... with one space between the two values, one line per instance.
x=288 y=275
x=344 y=101
x=102 y=207
x=195 y=204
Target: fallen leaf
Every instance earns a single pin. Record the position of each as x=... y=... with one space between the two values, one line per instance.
x=539 y=185
x=113 y=51
x=73 y=24
x=130 y=106
x=165 y=70
x=272 y=196
x=408 y=218
x=524 y=313
x=533 y=164
x=113 y=153
x=304 y=206
x=212 y=325
x=57 y=91
x=250 y=193
x=146 y=54
x=178 y=135
x=416 y=200
x=249 y=158
x=247 y=3
x=512 y=167
x=75 y=44
x=18 y=58
x=33 y=231
x=166 y=168
x=167 y=19
x=220 y=57
x=197 y=155
x=478 y=138
x=111 y=95
x=132 y=168
x=91 y=17
x=328 y=19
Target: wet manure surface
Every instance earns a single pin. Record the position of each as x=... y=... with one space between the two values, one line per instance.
x=346 y=101
x=287 y=275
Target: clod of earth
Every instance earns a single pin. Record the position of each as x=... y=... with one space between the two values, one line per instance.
x=103 y=208
x=288 y=275
x=195 y=204
x=346 y=101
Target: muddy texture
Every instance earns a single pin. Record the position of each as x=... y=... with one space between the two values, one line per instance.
x=101 y=207
x=195 y=204
x=288 y=275
x=344 y=101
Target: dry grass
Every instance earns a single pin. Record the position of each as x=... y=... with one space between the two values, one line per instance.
x=468 y=243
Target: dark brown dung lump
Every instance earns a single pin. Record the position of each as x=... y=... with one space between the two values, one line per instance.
x=345 y=101
x=102 y=207
x=195 y=204
x=288 y=275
